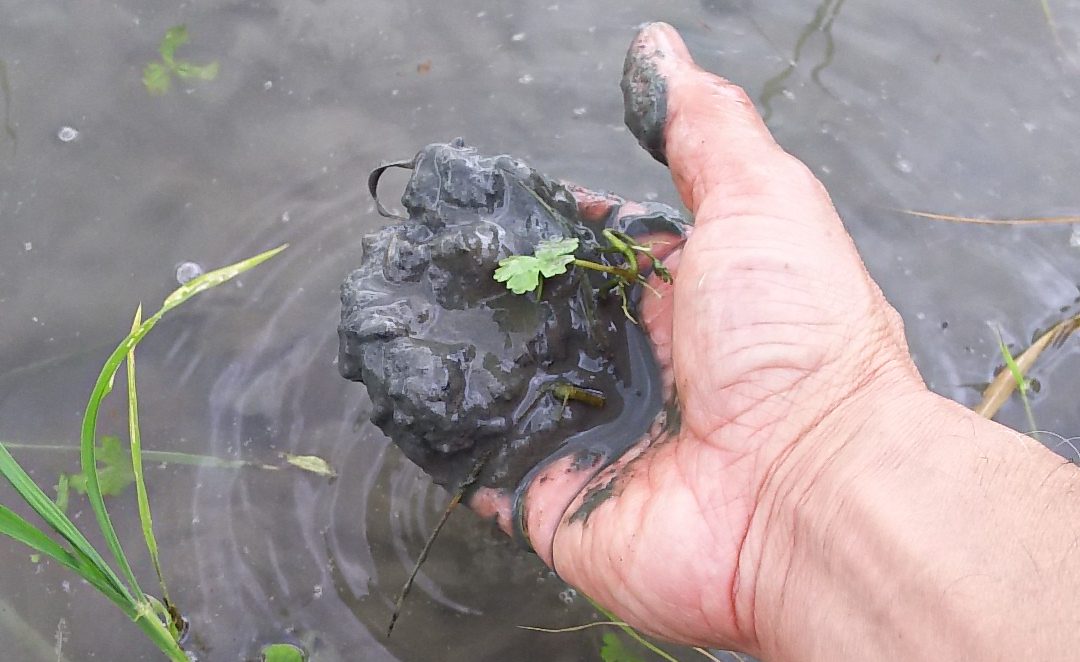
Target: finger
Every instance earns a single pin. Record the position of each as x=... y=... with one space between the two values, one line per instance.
x=587 y=481
x=722 y=157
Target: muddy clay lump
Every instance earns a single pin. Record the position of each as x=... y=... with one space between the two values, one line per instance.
x=458 y=368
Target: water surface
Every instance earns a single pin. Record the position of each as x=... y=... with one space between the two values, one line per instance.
x=960 y=107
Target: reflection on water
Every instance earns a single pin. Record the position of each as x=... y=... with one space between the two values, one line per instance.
x=821 y=23
x=962 y=108
x=5 y=91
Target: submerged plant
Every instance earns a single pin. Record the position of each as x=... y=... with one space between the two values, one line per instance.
x=158 y=618
x=157 y=75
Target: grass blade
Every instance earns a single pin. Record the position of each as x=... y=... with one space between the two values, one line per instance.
x=17 y=528
x=215 y=278
x=999 y=390
x=311 y=464
x=104 y=384
x=58 y=521
x=145 y=518
x=1019 y=379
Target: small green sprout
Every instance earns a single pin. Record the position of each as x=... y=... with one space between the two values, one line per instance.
x=522 y=273
x=525 y=273
x=157 y=75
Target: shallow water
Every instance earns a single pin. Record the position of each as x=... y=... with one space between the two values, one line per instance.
x=959 y=107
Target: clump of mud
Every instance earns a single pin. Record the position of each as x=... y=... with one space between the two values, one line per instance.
x=456 y=366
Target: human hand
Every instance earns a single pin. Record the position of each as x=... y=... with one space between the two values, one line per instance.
x=774 y=338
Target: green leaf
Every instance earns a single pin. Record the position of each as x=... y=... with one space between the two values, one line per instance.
x=47 y=509
x=555 y=255
x=156 y=78
x=175 y=37
x=553 y=248
x=613 y=650
x=311 y=463
x=521 y=273
x=185 y=69
x=282 y=653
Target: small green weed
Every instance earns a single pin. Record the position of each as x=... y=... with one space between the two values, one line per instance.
x=157 y=75
x=525 y=273
x=522 y=273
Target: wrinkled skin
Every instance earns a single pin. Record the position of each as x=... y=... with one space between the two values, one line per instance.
x=771 y=333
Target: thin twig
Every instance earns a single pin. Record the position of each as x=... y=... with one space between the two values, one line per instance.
x=1042 y=220
x=474 y=474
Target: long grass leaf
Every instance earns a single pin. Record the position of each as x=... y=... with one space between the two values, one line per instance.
x=57 y=520
x=145 y=518
x=214 y=278
x=17 y=528
x=162 y=457
x=1019 y=379
x=88 y=452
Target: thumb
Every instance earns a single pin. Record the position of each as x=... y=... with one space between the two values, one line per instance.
x=722 y=157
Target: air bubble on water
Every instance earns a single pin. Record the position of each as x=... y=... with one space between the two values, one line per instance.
x=580 y=111
x=285 y=218
x=317 y=591
x=920 y=316
x=902 y=164
x=651 y=195
x=1074 y=238
x=525 y=79
x=567 y=596
x=28 y=246
x=520 y=36
x=65 y=586
x=268 y=84
x=185 y=271
x=66 y=134
x=788 y=94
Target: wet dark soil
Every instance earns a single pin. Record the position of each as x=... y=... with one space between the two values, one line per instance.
x=459 y=368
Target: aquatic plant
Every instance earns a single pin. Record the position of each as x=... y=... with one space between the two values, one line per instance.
x=157 y=75
x=158 y=618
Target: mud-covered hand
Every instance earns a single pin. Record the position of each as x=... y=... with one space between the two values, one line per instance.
x=773 y=337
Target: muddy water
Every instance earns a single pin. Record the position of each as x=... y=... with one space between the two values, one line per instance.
x=959 y=107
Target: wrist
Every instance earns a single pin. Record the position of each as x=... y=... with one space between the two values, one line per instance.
x=903 y=527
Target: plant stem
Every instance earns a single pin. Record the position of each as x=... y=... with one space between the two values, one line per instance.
x=618 y=272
